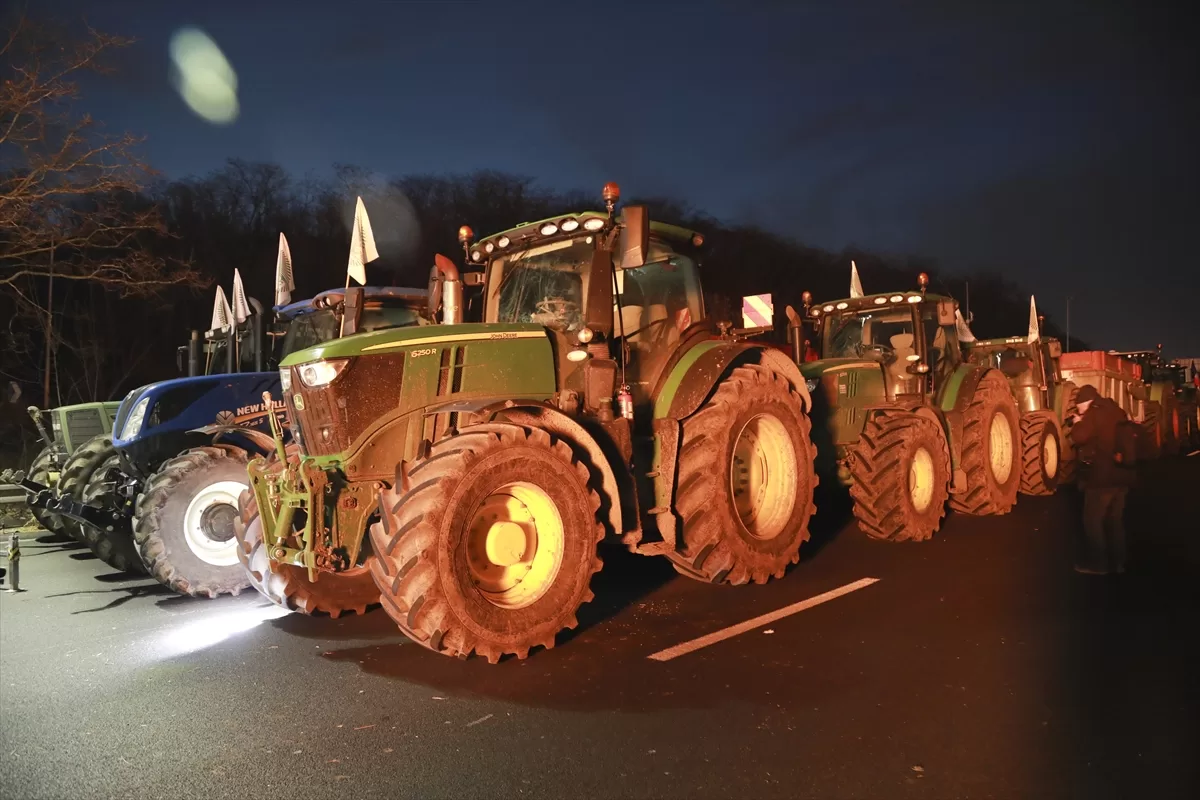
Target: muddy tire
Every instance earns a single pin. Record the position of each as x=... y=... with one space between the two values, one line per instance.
x=990 y=455
x=489 y=546
x=1041 y=454
x=745 y=482
x=1070 y=459
x=288 y=586
x=44 y=470
x=1172 y=433
x=115 y=547
x=1152 y=434
x=900 y=469
x=184 y=519
x=77 y=471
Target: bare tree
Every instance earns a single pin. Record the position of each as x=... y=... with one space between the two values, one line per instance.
x=71 y=202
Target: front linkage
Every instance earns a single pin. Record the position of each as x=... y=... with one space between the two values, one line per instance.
x=302 y=485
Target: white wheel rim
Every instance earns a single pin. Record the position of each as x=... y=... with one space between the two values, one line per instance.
x=209 y=520
x=1050 y=456
x=1000 y=449
x=920 y=480
x=763 y=477
x=515 y=545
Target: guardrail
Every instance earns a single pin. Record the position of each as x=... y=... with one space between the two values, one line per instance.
x=11 y=493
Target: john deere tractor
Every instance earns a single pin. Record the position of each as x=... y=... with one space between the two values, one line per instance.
x=1046 y=403
x=909 y=423
x=488 y=461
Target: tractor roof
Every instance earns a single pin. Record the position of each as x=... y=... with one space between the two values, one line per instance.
x=528 y=233
x=404 y=295
x=874 y=301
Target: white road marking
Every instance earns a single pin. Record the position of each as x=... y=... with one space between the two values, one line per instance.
x=750 y=624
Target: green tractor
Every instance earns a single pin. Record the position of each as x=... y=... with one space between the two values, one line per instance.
x=902 y=418
x=71 y=427
x=489 y=460
x=1046 y=402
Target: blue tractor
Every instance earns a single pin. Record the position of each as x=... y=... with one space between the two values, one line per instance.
x=162 y=493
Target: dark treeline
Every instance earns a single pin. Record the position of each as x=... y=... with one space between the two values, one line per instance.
x=107 y=344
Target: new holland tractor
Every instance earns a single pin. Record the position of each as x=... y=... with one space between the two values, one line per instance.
x=902 y=418
x=1046 y=402
x=70 y=428
x=465 y=474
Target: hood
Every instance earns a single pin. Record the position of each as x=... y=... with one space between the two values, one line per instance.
x=392 y=339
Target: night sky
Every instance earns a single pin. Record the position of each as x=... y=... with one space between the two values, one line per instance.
x=1055 y=140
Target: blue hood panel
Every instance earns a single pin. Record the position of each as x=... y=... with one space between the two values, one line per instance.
x=184 y=404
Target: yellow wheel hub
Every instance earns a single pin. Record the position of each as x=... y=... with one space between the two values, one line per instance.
x=763 y=477
x=515 y=545
x=1000 y=449
x=1050 y=456
x=920 y=480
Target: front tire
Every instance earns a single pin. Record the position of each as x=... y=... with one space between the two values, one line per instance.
x=746 y=481
x=44 y=470
x=989 y=450
x=490 y=544
x=901 y=476
x=1041 y=454
x=114 y=547
x=183 y=522
x=76 y=473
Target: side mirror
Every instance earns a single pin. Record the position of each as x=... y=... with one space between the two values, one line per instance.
x=634 y=245
x=598 y=307
x=945 y=312
x=1055 y=349
x=352 y=309
x=472 y=279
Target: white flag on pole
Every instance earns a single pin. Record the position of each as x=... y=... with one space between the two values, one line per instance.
x=221 y=312
x=1034 y=331
x=241 y=309
x=285 y=284
x=362 y=245
x=855 y=284
x=960 y=325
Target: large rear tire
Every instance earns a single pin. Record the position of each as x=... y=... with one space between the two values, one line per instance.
x=76 y=473
x=44 y=470
x=183 y=523
x=990 y=455
x=489 y=546
x=1152 y=434
x=746 y=481
x=900 y=469
x=1041 y=454
x=1070 y=459
x=114 y=547
x=286 y=586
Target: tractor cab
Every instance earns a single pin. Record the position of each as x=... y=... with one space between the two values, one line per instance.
x=1031 y=368
x=911 y=336
x=308 y=323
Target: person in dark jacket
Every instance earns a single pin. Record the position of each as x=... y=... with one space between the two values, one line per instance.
x=1104 y=480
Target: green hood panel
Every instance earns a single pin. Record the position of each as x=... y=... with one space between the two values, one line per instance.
x=395 y=340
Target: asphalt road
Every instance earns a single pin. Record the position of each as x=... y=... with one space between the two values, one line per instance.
x=978 y=665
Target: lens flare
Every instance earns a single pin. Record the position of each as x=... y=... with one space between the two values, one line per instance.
x=203 y=76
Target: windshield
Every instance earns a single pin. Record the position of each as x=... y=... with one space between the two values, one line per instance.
x=320 y=326
x=854 y=335
x=548 y=286
x=544 y=285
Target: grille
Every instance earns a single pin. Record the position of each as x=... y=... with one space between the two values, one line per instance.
x=82 y=425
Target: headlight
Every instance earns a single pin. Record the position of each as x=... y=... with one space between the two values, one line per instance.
x=133 y=425
x=812 y=384
x=322 y=373
x=593 y=223
x=55 y=424
x=285 y=378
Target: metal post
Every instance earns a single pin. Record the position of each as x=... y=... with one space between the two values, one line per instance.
x=14 y=563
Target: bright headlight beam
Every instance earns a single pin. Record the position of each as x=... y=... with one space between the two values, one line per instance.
x=203 y=76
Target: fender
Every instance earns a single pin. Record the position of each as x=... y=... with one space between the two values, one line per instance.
x=250 y=440
x=691 y=380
